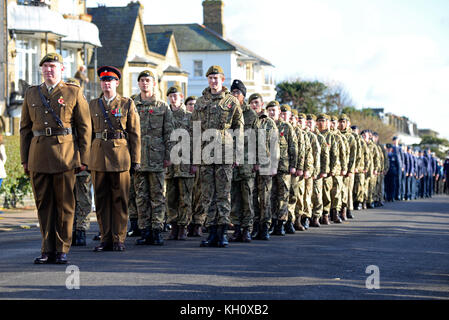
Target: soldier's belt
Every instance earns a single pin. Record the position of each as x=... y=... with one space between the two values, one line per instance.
x=49 y=132
x=106 y=135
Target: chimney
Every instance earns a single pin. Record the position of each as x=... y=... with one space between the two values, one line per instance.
x=213 y=16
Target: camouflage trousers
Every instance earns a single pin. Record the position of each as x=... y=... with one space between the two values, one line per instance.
x=300 y=201
x=132 y=205
x=198 y=214
x=336 y=192
x=348 y=186
x=372 y=191
x=359 y=187
x=308 y=194
x=262 y=199
x=179 y=200
x=83 y=201
x=150 y=199
x=280 y=193
x=327 y=188
x=242 y=209
x=293 y=198
x=317 y=198
x=379 y=196
x=367 y=189
x=216 y=183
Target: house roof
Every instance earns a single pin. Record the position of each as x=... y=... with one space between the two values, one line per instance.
x=115 y=25
x=196 y=37
x=159 y=42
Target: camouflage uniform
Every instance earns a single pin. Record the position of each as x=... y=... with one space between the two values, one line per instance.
x=220 y=112
x=156 y=121
x=348 y=180
x=280 y=191
x=376 y=167
x=262 y=191
x=368 y=169
x=83 y=200
x=334 y=169
x=361 y=164
x=242 y=210
x=338 y=186
x=311 y=184
x=179 y=178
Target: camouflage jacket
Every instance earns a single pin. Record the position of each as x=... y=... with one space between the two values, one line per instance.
x=315 y=146
x=219 y=112
x=375 y=157
x=368 y=161
x=343 y=150
x=268 y=152
x=288 y=145
x=245 y=170
x=156 y=124
x=182 y=119
x=352 y=149
x=334 y=152
x=305 y=156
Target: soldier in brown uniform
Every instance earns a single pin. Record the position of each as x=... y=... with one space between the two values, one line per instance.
x=115 y=151
x=156 y=122
x=217 y=111
x=179 y=176
x=55 y=138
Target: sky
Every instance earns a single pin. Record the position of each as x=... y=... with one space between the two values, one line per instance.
x=391 y=54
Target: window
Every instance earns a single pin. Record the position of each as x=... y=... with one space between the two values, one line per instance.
x=133 y=84
x=68 y=56
x=26 y=61
x=184 y=89
x=249 y=71
x=198 y=68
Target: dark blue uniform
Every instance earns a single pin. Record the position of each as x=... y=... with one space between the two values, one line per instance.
x=391 y=179
x=398 y=183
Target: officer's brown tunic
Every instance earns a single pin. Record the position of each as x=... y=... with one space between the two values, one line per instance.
x=110 y=162
x=52 y=158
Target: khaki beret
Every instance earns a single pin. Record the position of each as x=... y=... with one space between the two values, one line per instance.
x=214 y=70
x=302 y=116
x=311 y=116
x=254 y=96
x=273 y=103
x=295 y=112
x=285 y=108
x=145 y=73
x=344 y=117
x=322 y=116
x=51 y=57
x=333 y=118
x=174 y=89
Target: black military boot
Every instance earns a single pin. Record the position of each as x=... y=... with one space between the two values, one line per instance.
x=157 y=240
x=305 y=221
x=146 y=238
x=174 y=231
x=97 y=236
x=246 y=235
x=256 y=231
x=222 y=236
x=212 y=239
x=133 y=230
x=335 y=216
x=263 y=233
x=349 y=214
x=279 y=228
x=237 y=235
x=325 y=219
x=80 y=238
x=289 y=227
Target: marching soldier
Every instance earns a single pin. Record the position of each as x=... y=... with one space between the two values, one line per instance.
x=376 y=167
x=242 y=208
x=156 y=122
x=179 y=176
x=115 y=151
x=288 y=146
x=219 y=111
x=268 y=153
x=368 y=167
x=55 y=138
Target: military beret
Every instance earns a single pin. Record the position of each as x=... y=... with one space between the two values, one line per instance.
x=302 y=116
x=214 y=70
x=174 y=89
x=295 y=112
x=344 y=116
x=322 y=116
x=333 y=118
x=190 y=98
x=272 y=104
x=254 y=96
x=51 y=57
x=311 y=117
x=285 y=108
x=145 y=73
x=109 y=73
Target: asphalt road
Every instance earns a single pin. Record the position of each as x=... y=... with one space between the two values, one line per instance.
x=406 y=242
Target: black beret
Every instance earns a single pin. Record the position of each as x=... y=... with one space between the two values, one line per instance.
x=237 y=84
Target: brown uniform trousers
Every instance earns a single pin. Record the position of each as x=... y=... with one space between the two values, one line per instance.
x=52 y=157
x=110 y=161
